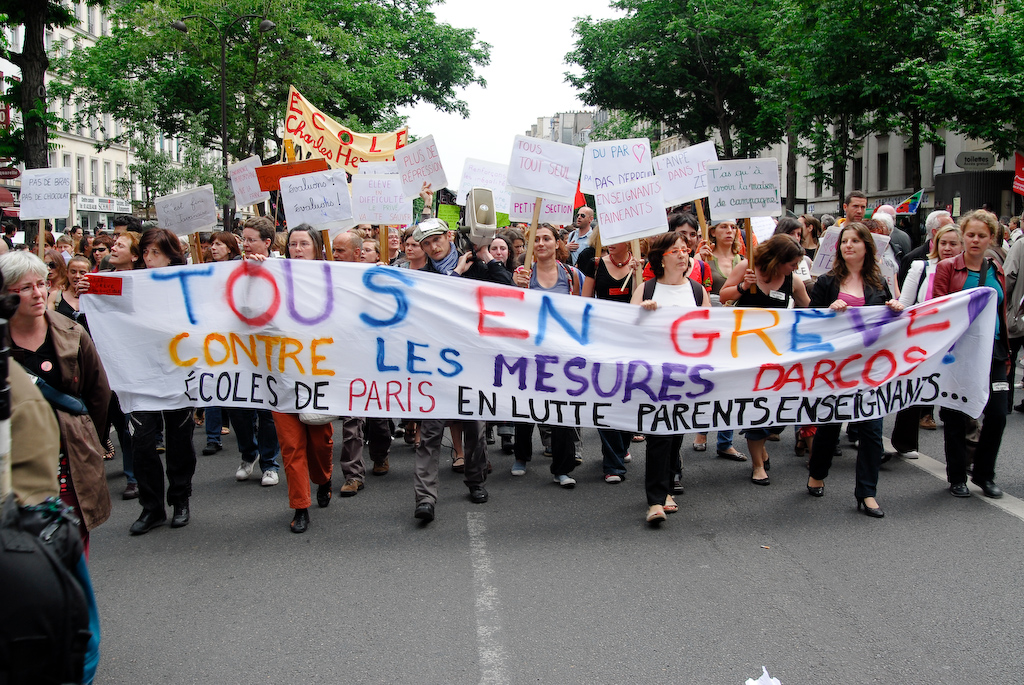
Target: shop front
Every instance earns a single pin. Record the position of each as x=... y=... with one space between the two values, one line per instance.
x=96 y=213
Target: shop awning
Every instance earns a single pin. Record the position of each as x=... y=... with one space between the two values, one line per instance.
x=6 y=198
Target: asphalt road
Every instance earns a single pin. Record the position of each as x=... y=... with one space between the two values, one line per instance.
x=544 y=585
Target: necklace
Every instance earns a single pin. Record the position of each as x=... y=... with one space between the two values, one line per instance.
x=629 y=257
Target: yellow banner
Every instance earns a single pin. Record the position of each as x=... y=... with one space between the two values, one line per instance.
x=315 y=134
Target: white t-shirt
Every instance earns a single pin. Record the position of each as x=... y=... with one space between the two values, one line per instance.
x=674 y=295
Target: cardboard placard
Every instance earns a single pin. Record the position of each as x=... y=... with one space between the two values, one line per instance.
x=631 y=211
x=553 y=212
x=187 y=212
x=541 y=168
x=379 y=168
x=380 y=200
x=610 y=163
x=105 y=285
x=477 y=173
x=450 y=214
x=270 y=175
x=244 y=183
x=45 y=194
x=684 y=173
x=828 y=245
x=419 y=163
x=744 y=188
x=320 y=199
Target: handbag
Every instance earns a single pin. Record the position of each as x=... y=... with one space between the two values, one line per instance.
x=314 y=419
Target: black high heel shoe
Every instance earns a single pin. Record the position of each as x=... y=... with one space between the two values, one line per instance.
x=815 y=491
x=868 y=511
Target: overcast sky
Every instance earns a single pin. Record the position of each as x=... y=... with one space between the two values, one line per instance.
x=525 y=79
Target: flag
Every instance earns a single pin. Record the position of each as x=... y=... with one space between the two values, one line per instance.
x=580 y=200
x=1018 y=173
x=909 y=206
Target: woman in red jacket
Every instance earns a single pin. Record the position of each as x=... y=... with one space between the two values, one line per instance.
x=972 y=269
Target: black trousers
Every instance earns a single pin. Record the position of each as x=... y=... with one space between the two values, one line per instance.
x=906 y=430
x=180 y=456
x=661 y=455
x=954 y=428
x=869 y=454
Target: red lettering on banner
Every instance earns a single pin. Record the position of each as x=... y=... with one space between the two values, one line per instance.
x=292 y=107
x=915 y=359
x=823 y=375
x=709 y=336
x=352 y=395
x=489 y=331
x=870 y=365
x=839 y=372
x=419 y=389
x=373 y=145
x=915 y=314
x=256 y=272
x=316 y=123
x=794 y=375
x=398 y=139
x=777 y=368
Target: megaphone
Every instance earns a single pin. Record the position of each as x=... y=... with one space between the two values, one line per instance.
x=481 y=219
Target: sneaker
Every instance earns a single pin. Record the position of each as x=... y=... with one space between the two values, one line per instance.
x=270 y=478
x=350 y=488
x=565 y=481
x=612 y=478
x=928 y=423
x=211 y=448
x=627 y=459
x=244 y=470
x=518 y=468
x=131 y=491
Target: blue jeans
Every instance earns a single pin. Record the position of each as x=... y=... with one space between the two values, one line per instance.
x=614 y=445
x=254 y=429
x=724 y=440
x=213 y=424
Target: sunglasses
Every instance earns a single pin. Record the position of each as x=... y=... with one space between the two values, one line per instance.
x=51 y=265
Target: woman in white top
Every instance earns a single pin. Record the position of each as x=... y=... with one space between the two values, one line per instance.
x=670 y=261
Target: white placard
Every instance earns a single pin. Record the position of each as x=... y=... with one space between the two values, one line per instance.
x=554 y=212
x=684 y=173
x=744 y=188
x=541 y=168
x=631 y=211
x=828 y=245
x=244 y=183
x=378 y=168
x=610 y=163
x=419 y=163
x=187 y=212
x=380 y=200
x=763 y=227
x=45 y=194
x=477 y=173
x=319 y=199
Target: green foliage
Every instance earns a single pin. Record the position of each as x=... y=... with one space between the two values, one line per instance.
x=623 y=125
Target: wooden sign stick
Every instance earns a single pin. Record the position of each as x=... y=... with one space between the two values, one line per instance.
x=41 y=239
x=700 y=218
x=638 y=276
x=195 y=246
x=531 y=234
x=748 y=233
x=328 y=247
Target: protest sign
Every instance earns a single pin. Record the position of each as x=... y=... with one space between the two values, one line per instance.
x=187 y=212
x=363 y=340
x=320 y=199
x=450 y=214
x=552 y=212
x=317 y=136
x=744 y=188
x=828 y=245
x=379 y=168
x=479 y=174
x=45 y=194
x=631 y=211
x=763 y=227
x=380 y=200
x=541 y=168
x=245 y=184
x=420 y=163
x=609 y=163
x=684 y=174
x=270 y=175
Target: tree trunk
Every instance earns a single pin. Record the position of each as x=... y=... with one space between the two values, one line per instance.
x=791 y=140
x=33 y=63
x=915 y=171
x=839 y=160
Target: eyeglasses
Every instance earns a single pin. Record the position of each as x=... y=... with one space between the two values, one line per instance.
x=51 y=265
x=677 y=251
x=27 y=289
x=102 y=248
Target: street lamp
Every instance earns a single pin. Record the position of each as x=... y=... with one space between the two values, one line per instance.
x=265 y=26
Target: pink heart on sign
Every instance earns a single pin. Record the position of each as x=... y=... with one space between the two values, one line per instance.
x=638 y=152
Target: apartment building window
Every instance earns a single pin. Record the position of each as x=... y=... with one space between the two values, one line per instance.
x=48 y=40
x=104 y=24
x=118 y=173
x=858 y=173
x=106 y=178
x=106 y=126
x=67 y=162
x=80 y=164
x=65 y=47
x=177 y=150
x=883 y=170
x=78 y=10
x=90 y=17
x=52 y=160
x=94 y=176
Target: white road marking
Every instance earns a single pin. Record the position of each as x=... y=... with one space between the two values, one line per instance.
x=489 y=639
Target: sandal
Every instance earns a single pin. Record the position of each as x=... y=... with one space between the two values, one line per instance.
x=700 y=447
x=670 y=505
x=225 y=430
x=459 y=464
x=656 y=514
x=734 y=456
x=109 y=454
x=638 y=438
x=801 y=447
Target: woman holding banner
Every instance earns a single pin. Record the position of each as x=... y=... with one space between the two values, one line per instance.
x=306 y=445
x=771 y=284
x=854 y=281
x=974 y=269
x=669 y=258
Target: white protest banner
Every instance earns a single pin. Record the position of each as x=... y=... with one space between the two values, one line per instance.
x=365 y=340
x=552 y=212
x=45 y=194
x=380 y=200
x=610 y=163
x=479 y=174
x=378 y=168
x=187 y=212
x=419 y=163
x=684 y=173
x=244 y=183
x=828 y=245
x=541 y=168
x=744 y=188
x=320 y=199
x=631 y=211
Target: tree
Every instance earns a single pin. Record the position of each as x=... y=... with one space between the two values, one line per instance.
x=623 y=125
x=358 y=60
x=691 y=66
x=30 y=143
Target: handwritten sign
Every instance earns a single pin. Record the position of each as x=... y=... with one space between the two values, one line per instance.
x=744 y=188
x=419 y=163
x=630 y=211
x=358 y=340
x=552 y=212
x=545 y=169
x=763 y=227
x=320 y=199
x=479 y=174
x=684 y=173
x=46 y=194
x=379 y=168
x=450 y=214
x=244 y=183
x=610 y=163
x=187 y=212
x=828 y=245
x=380 y=200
